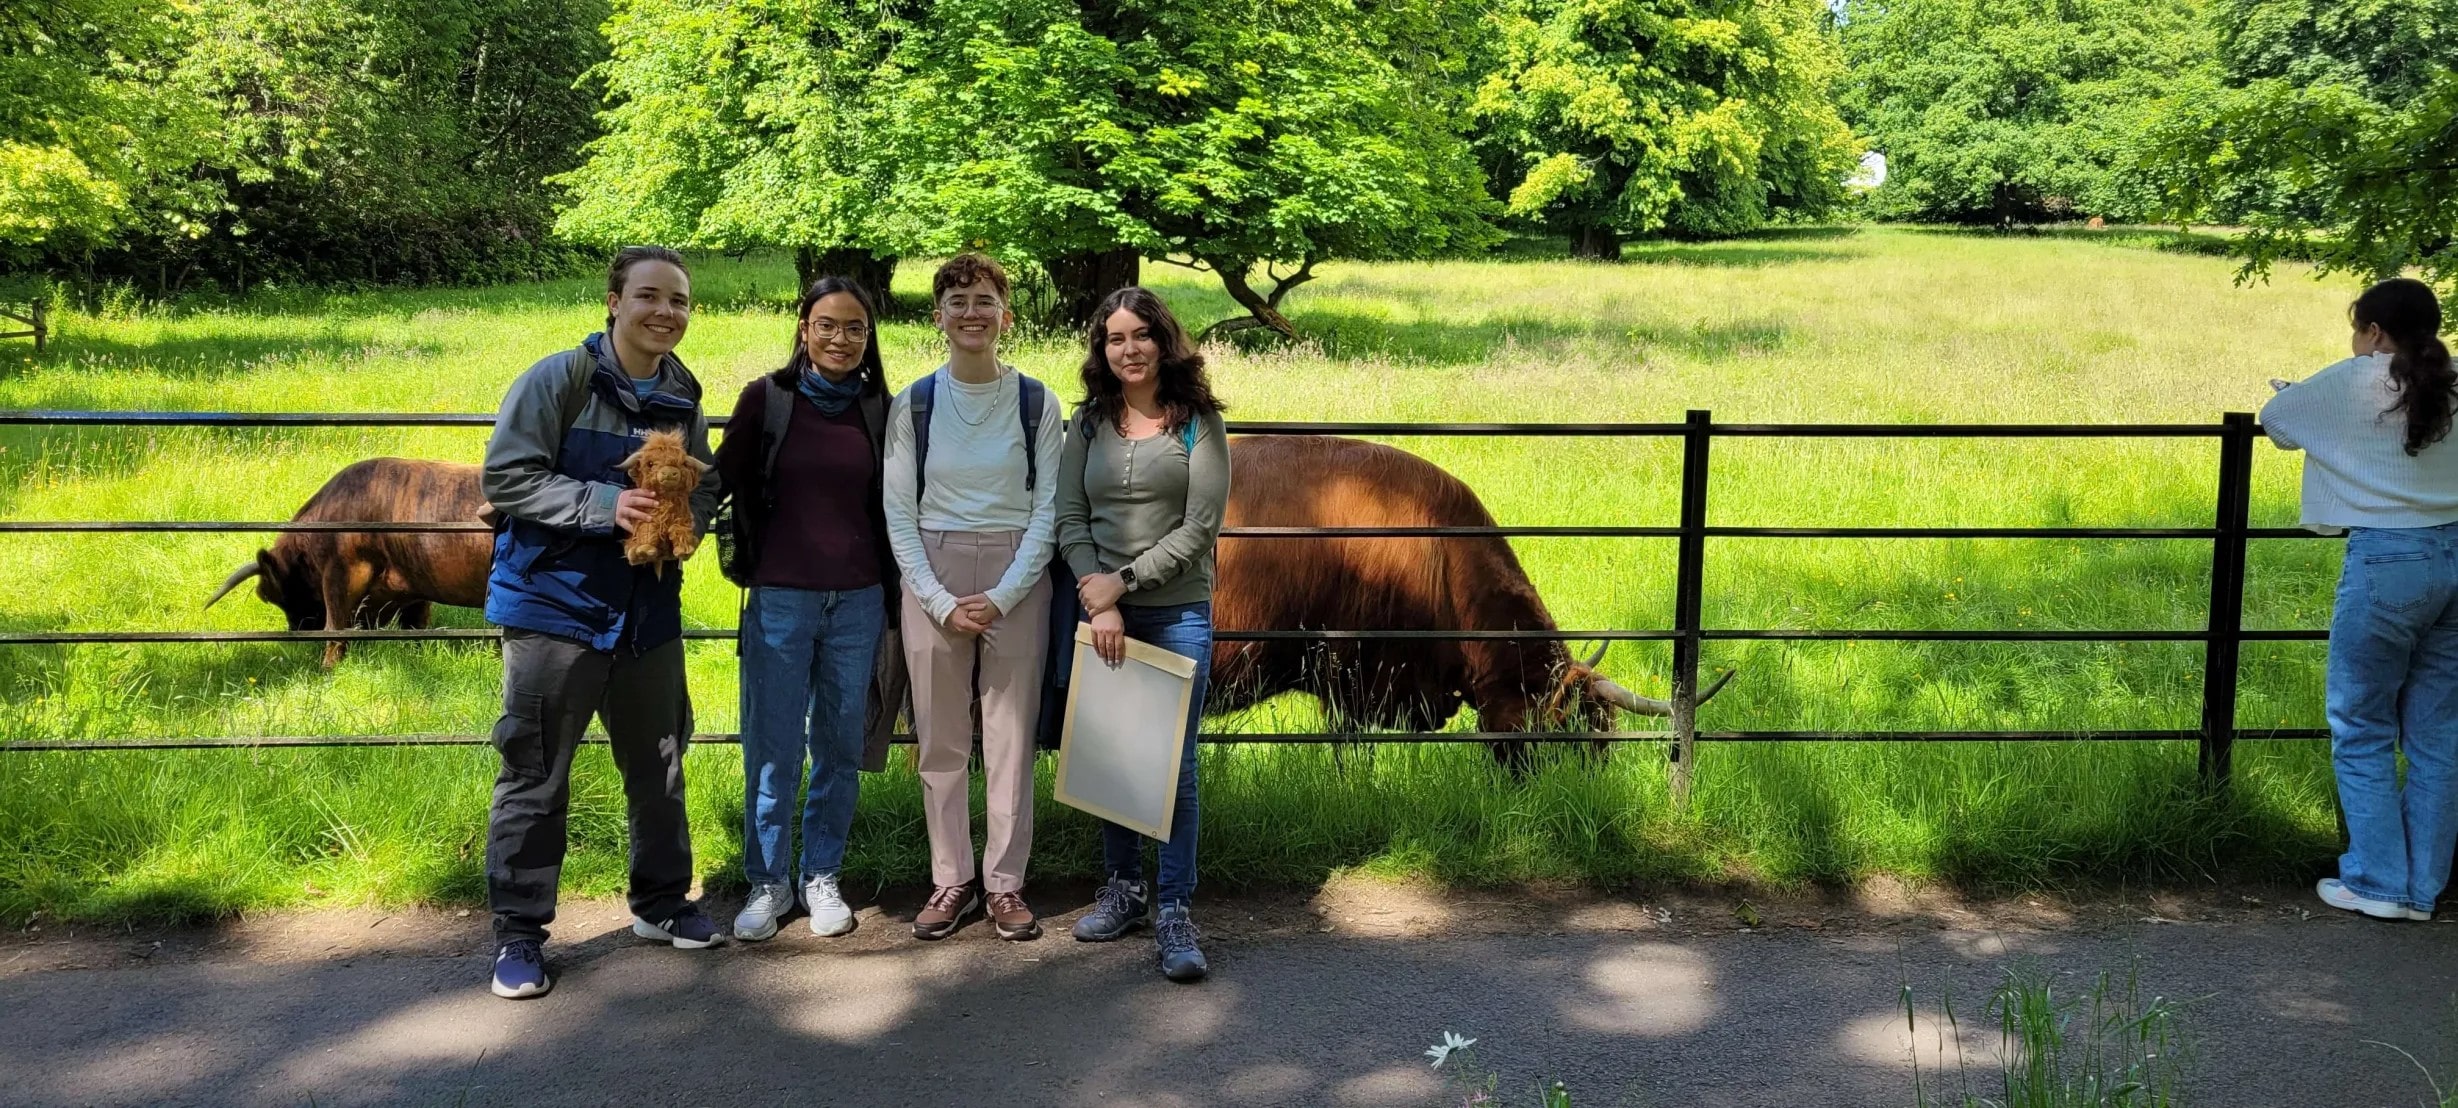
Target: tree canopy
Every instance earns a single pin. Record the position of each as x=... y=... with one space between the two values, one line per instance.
x=1604 y=118
x=1997 y=110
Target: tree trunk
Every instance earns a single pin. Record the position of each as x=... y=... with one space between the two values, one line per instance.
x=1264 y=311
x=873 y=272
x=1599 y=243
x=1080 y=281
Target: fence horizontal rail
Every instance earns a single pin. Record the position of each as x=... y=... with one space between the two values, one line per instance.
x=1773 y=634
x=68 y=418
x=1214 y=738
x=372 y=527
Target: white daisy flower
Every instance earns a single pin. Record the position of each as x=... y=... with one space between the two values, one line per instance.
x=1441 y=1052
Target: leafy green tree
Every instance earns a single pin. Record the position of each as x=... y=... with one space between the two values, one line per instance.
x=1228 y=136
x=1605 y=118
x=1998 y=110
x=91 y=139
x=313 y=140
x=733 y=125
x=2331 y=136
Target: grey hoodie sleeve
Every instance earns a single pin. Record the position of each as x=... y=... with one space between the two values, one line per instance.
x=519 y=478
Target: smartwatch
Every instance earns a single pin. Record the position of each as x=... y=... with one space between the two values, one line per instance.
x=1126 y=577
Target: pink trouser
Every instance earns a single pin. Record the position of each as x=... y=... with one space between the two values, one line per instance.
x=945 y=666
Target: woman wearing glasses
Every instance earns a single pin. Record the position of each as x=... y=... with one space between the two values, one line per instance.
x=806 y=492
x=972 y=485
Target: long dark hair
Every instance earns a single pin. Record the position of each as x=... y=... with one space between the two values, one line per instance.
x=1186 y=391
x=2406 y=311
x=872 y=373
x=619 y=274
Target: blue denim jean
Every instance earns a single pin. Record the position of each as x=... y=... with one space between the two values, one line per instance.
x=1184 y=630
x=807 y=659
x=2393 y=688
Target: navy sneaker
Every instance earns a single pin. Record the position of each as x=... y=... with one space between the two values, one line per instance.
x=520 y=970
x=1121 y=906
x=689 y=929
x=1181 y=960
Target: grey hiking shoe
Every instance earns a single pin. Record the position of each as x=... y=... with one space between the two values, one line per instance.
x=767 y=905
x=1181 y=960
x=1121 y=906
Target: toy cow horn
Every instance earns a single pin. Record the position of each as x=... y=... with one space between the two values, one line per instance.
x=242 y=573
x=1611 y=692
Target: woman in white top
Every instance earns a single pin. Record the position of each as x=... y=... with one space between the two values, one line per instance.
x=2377 y=467
x=971 y=489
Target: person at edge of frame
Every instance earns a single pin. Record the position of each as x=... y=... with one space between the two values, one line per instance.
x=2377 y=467
x=1141 y=494
x=971 y=489
x=586 y=633
x=819 y=575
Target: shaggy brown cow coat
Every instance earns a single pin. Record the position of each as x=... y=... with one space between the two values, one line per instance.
x=342 y=579
x=1403 y=584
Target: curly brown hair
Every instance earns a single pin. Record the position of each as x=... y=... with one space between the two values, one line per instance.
x=968 y=268
x=1185 y=389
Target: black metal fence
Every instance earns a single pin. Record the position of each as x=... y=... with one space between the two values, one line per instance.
x=2222 y=637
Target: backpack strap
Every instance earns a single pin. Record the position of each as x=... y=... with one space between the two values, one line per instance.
x=774 y=419
x=925 y=391
x=580 y=367
x=1030 y=399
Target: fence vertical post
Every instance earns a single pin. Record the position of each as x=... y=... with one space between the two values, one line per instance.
x=41 y=322
x=2227 y=600
x=1688 y=575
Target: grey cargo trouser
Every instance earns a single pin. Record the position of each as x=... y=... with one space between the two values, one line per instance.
x=552 y=685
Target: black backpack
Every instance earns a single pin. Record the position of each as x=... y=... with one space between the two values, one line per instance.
x=736 y=556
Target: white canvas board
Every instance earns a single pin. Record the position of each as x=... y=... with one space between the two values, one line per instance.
x=1125 y=733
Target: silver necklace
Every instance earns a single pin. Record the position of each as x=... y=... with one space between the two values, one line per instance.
x=958 y=409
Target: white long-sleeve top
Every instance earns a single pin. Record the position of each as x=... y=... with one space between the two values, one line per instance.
x=2356 y=469
x=975 y=482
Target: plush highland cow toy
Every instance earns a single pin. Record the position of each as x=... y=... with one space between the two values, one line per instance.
x=662 y=466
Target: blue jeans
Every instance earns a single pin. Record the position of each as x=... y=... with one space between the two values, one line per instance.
x=1184 y=630
x=807 y=659
x=2393 y=686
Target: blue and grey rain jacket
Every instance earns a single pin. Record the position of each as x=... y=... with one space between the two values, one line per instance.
x=559 y=566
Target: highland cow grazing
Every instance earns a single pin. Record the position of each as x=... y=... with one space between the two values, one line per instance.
x=345 y=579
x=1402 y=584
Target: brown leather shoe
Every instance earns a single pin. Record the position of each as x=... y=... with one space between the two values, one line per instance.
x=1012 y=918
x=946 y=908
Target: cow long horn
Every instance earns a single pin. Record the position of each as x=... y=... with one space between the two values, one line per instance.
x=237 y=575
x=1596 y=657
x=1611 y=692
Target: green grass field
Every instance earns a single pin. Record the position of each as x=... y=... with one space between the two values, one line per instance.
x=1876 y=325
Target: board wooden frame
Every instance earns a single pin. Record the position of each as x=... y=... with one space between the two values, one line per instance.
x=1138 y=652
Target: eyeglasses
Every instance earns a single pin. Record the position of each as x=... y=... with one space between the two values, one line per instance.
x=988 y=305
x=826 y=329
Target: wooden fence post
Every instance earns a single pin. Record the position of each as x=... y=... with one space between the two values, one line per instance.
x=1688 y=575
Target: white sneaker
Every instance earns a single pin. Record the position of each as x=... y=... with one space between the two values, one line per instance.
x=2336 y=894
x=829 y=915
x=760 y=914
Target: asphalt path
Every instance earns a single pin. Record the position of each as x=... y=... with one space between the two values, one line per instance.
x=1317 y=999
